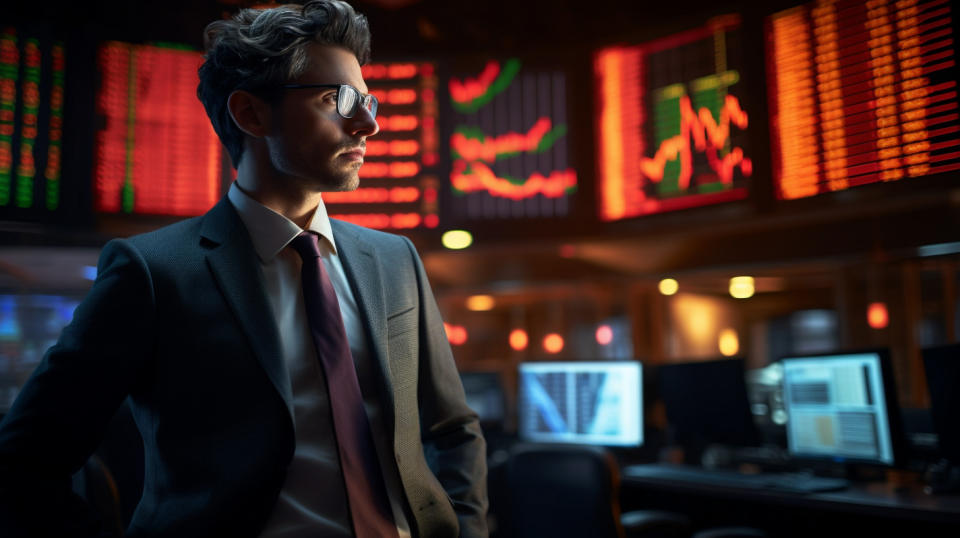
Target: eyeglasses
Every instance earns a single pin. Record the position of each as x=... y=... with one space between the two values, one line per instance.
x=349 y=99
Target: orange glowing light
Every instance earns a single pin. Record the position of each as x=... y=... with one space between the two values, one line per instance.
x=398 y=123
x=393 y=148
x=471 y=88
x=373 y=195
x=729 y=342
x=481 y=178
x=553 y=343
x=381 y=221
x=518 y=339
x=388 y=71
x=398 y=96
x=456 y=334
x=491 y=148
x=877 y=315
x=400 y=169
x=604 y=335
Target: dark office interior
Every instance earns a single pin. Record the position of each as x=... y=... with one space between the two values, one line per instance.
x=699 y=263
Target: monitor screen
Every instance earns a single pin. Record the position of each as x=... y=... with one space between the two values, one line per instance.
x=942 y=366
x=32 y=85
x=706 y=402
x=840 y=407
x=597 y=403
x=671 y=127
x=510 y=145
x=485 y=396
x=156 y=151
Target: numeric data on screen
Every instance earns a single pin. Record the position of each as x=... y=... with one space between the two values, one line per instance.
x=861 y=92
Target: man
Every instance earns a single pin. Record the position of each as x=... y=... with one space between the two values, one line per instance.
x=224 y=332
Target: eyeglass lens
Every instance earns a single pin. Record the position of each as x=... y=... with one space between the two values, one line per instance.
x=349 y=100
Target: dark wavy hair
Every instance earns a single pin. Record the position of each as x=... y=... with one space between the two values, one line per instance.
x=261 y=49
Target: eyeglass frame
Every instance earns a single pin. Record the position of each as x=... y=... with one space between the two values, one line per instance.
x=359 y=103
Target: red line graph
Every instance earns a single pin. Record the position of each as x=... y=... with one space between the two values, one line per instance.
x=481 y=178
x=471 y=88
x=708 y=136
x=490 y=148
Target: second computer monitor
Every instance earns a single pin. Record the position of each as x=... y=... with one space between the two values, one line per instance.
x=597 y=403
x=707 y=403
x=942 y=366
x=842 y=407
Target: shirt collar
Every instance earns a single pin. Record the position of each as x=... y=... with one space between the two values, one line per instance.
x=270 y=231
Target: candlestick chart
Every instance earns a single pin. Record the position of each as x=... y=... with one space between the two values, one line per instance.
x=399 y=177
x=509 y=147
x=671 y=125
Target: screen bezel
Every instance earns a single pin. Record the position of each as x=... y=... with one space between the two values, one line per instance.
x=891 y=403
x=943 y=420
x=523 y=432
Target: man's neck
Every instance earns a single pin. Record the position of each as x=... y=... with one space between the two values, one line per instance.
x=283 y=197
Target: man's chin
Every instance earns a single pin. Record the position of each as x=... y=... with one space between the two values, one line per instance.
x=345 y=183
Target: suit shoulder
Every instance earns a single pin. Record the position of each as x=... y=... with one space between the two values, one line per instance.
x=378 y=238
x=164 y=241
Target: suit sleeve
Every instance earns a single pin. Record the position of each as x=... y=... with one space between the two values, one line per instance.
x=450 y=430
x=60 y=416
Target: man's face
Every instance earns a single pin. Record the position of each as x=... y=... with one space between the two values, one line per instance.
x=309 y=142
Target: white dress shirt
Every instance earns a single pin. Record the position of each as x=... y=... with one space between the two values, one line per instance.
x=313 y=499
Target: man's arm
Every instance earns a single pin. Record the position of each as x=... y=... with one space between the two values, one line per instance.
x=60 y=415
x=450 y=430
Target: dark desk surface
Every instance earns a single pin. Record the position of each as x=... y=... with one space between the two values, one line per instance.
x=864 y=499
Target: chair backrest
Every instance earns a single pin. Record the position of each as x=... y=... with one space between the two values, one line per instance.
x=563 y=490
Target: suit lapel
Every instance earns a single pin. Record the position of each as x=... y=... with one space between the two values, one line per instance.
x=235 y=267
x=363 y=274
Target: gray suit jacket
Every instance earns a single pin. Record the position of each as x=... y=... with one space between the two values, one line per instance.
x=179 y=321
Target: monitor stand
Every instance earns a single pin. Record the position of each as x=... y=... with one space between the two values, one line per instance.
x=942 y=478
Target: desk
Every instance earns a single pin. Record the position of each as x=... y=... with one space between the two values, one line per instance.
x=863 y=508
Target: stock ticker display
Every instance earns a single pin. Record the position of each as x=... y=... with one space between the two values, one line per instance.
x=509 y=143
x=671 y=127
x=399 y=178
x=861 y=92
x=32 y=73
x=156 y=152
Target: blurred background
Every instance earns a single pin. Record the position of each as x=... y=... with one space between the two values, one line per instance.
x=592 y=181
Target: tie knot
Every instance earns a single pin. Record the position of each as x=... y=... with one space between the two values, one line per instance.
x=306 y=244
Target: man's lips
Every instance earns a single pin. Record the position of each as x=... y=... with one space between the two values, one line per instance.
x=354 y=154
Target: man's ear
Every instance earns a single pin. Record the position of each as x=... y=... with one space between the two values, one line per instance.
x=250 y=113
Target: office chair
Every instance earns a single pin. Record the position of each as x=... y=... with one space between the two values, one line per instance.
x=111 y=481
x=95 y=484
x=573 y=491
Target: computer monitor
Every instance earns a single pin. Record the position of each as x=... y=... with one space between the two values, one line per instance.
x=595 y=403
x=707 y=403
x=942 y=366
x=842 y=407
x=485 y=396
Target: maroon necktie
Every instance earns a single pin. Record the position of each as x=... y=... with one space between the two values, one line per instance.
x=366 y=494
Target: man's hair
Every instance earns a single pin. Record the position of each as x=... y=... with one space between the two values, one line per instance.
x=259 y=50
